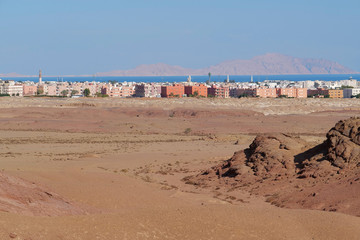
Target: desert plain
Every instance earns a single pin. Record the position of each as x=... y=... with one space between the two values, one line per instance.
x=104 y=168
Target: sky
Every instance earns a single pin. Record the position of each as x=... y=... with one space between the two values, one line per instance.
x=72 y=37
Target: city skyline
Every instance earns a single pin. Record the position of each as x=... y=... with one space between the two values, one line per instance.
x=86 y=37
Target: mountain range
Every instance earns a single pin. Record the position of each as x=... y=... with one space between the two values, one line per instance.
x=268 y=64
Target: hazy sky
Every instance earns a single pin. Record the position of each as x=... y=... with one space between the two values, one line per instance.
x=89 y=36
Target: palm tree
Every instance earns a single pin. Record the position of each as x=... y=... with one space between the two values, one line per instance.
x=209 y=76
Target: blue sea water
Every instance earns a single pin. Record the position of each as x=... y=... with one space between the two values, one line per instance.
x=214 y=78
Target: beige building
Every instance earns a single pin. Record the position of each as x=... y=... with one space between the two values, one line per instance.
x=336 y=93
x=292 y=92
x=29 y=90
x=266 y=92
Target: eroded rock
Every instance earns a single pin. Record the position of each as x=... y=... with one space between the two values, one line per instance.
x=287 y=170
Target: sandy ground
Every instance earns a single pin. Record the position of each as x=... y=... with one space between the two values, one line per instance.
x=123 y=160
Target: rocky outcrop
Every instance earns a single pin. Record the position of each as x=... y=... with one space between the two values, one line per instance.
x=339 y=153
x=344 y=144
x=293 y=173
x=268 y=156
x=273 y=155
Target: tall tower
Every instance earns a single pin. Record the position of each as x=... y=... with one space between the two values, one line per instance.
x=40 y=77
x=189 y=79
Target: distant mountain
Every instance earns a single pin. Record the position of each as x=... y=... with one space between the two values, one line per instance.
x=13 y=75
x=268 y=64
x=159 y=69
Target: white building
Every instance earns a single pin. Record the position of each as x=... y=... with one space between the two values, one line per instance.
x=307 y=84
x=11 y=88
x=350 y=92
x=349 y=82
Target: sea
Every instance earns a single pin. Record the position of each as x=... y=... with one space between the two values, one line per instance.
x=199 y=79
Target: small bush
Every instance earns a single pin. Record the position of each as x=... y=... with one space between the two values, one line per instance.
x=187 y=130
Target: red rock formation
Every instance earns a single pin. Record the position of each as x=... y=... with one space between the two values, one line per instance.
x=344 y=144
x=291 y=174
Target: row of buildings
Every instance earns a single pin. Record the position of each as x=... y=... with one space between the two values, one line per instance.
x=266 y=89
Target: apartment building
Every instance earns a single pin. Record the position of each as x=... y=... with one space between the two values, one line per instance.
x=51 y=90
x=29 y=90
x=351 y=92
x=266 y=92
x=318 y=92
x=92 y=86
x=288 y=92
x=110 y=90
x=148 y=90
x=349 y=82
x=175 y=90
x=292 y=92
x=201 y=90
x=127 y=91
x=218 y=91
x=247 y=92
x=336 y=93
x=76 y=87
x=233 y=92
x=301 y=92
x=60 y=88
x=11 y=88
x=118 y=90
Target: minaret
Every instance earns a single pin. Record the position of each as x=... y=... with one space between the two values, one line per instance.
x=189 y=79
x=40 y=77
